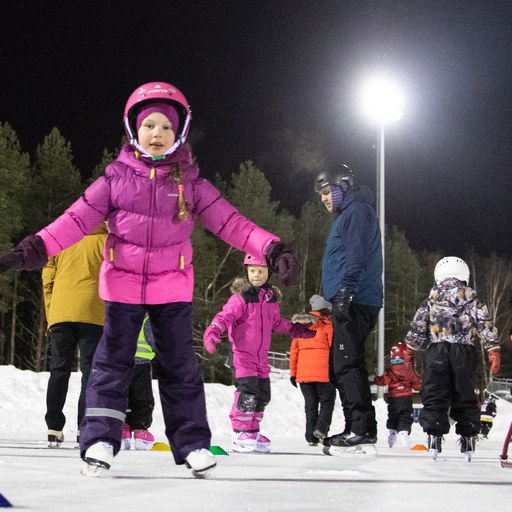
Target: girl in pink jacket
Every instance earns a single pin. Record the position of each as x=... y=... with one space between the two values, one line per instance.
x=150 y=197
x=250 y=316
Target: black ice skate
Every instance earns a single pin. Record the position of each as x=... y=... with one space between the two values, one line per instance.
x=435 y=445
x=55 y=437
x=467 y=446
x=353 y=444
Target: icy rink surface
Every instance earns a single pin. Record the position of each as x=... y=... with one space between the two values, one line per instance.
x=292 y=477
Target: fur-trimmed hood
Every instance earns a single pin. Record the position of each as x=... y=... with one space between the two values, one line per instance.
x=304 y=318
x=241 y=285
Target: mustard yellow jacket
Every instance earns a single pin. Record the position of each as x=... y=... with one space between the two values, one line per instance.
x=70 y=282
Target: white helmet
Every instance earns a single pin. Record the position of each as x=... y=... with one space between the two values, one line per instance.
x=451 y=266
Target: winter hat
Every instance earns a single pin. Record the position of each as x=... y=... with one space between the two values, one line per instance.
x=318 y=302
x=163 y=108
x=336 y=197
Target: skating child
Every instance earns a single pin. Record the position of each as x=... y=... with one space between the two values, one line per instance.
x=309 y=368
x=250 y=316
x=401 y=379
x=150 y=196
x=141 y=401
x=445 y=325
x=488 y=412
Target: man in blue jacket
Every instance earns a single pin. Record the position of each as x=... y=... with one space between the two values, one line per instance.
x=352 y=282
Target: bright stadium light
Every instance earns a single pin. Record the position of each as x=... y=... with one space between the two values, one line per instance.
x=382 y=103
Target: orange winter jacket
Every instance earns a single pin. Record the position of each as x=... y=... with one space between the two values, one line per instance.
x=309 y=358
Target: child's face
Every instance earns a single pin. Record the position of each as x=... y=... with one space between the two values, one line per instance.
x=156 y=134
x=257 y=275
x=326 y=198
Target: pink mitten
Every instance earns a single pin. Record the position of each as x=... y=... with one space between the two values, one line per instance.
x=211 y=337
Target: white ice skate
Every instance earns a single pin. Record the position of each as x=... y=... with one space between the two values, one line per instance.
x=405 y=439
x=98 y=458
x=392 y=438
x=202 y=463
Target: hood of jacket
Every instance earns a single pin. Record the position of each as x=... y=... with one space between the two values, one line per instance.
x=452 y=293
x=241 y=285
x=362 y=194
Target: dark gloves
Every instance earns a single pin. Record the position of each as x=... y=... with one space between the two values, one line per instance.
x=281 y=260
x=29 y=254
x=293 y=381
x=341 y=305
x=299 y=330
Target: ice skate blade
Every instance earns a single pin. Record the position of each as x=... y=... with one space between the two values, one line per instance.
x=54 y=444
x=247 y=448
x=93 y=469
x=434 y=454
x=468 y=456
x=349 y=451
x=205 y=474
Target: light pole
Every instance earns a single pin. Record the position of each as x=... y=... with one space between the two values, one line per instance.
x=383 y=104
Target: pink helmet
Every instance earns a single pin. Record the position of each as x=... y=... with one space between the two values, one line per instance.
x=157 y=91
x=251 y=260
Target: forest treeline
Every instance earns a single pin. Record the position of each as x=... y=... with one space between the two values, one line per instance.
x=36 y=189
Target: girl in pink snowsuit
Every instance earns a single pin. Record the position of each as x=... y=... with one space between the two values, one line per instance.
x=150 y=196
x=250 y=316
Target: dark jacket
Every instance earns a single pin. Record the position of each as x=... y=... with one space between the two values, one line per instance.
x=353 y=253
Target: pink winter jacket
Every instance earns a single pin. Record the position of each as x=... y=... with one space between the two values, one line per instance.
x=250 y=315
x=148 y=253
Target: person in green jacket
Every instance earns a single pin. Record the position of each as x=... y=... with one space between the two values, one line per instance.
x=141 y=401
x=75 y=317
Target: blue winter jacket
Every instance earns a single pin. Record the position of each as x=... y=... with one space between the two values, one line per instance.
x=353 y=252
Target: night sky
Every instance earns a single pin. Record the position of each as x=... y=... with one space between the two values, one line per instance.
x=266 y=79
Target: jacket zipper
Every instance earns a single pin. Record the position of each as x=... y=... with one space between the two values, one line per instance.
x=149 y=239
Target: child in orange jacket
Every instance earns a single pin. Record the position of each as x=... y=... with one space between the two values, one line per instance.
x=309 y=366
x=401 y=379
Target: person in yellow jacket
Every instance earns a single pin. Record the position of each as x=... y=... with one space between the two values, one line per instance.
x=309 y=367
x=75 y=316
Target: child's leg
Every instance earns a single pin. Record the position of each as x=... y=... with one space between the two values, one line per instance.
x=141 y=401
x=464 y=410
x=393 y=413
x=310 y=409
x=109 y=380
x=180 y=384
x=404 y=413
x=326 y=392
x=262 y=400
x=437 y=390
x=244 y=405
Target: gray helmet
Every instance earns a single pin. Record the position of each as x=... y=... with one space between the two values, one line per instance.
x=342 y=176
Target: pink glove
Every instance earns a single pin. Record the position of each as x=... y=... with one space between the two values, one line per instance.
x=211 y=337
x=299 y=330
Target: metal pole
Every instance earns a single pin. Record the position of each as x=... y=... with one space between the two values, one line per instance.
x=382 y=210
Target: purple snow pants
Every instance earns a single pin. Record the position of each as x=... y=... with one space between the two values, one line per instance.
x=180 y=385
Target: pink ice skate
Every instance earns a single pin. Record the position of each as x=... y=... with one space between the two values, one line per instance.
x=144 y=439
x=126 y=437
x=263 y=444
x=244 y=442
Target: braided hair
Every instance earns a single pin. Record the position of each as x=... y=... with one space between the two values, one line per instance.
x=183 y=206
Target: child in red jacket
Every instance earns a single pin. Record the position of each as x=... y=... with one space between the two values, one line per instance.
x=401 y=379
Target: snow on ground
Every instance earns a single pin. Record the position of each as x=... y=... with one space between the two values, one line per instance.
x=292 y=477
